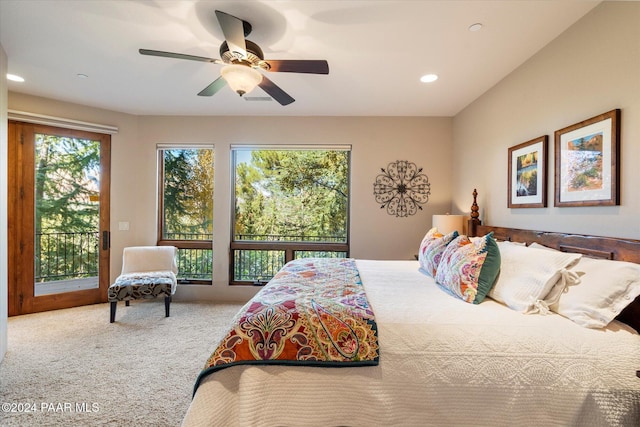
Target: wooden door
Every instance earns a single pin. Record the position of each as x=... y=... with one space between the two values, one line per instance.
x=59 y=237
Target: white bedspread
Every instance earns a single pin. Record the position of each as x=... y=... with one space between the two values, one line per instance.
x=443 y=362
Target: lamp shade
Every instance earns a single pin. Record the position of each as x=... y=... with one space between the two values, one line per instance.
x=448 y=223
x=241 y=78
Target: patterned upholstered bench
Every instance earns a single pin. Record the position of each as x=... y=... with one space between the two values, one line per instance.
x=147 y=272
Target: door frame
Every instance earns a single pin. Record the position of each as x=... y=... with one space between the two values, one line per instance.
x=21 y=215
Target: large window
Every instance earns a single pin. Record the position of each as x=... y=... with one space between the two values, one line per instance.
x=186 y=209
x=289 y=203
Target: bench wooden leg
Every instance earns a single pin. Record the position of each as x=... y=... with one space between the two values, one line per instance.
x=167 y=302
x=113 y=311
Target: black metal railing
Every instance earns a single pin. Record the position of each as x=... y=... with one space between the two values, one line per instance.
x=319 y=254
x=256 y=266
x=68 y=256
x=288 y=238
x=258 y=257
x=65 y=256
x=259 y=266
x=195 y=264
x=187 y=236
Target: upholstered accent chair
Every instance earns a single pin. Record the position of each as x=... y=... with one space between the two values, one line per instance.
x=147 y=272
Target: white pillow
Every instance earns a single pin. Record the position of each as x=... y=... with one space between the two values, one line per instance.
x=606 y=288
x=531 y=279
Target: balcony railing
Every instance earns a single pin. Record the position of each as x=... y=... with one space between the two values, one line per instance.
x=288 y=238
x=187 y=236
x=65 y=256
x=258 y=257
x=195 y=264
x=69 y=256
x=259 y=266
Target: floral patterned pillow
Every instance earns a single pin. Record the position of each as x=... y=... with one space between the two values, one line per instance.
x=468 y=269
x=431 y=249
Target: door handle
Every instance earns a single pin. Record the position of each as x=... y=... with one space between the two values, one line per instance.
x=106 y=240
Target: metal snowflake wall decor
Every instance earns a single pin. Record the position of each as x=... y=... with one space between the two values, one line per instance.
x=402 y=188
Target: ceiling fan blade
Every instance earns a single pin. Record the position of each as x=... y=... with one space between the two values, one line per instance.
x=178 y=56
x=233 y=30
x=299 y=66
x=214 y=87
x=275 y=92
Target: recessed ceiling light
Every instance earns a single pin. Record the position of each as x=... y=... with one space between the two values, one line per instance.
x=14 y=78
x=428 y=78
x=475 y=27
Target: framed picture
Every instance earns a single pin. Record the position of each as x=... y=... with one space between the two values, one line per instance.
x=586 y=162
x=527 y=179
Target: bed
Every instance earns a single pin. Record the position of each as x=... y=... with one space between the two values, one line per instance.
x=444 y=361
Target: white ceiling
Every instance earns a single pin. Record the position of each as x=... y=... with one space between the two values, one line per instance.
x=377 y=51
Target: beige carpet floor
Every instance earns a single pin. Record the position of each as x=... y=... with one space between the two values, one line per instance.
x=73 y=368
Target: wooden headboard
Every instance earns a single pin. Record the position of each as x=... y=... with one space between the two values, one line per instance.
x=594 y=246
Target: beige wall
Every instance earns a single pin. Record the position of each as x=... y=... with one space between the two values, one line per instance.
x=375 y=141
x=590 y=69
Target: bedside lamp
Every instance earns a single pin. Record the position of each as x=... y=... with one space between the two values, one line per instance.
x=448 y=223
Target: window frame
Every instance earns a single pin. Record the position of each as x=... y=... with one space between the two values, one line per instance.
x=289 y=248
x=180 y=244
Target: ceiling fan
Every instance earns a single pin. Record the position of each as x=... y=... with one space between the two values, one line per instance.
x=242 y=59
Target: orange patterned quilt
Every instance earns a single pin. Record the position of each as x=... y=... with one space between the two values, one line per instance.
x=314 y=312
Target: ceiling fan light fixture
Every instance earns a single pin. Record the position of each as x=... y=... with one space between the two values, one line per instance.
x=242 y=79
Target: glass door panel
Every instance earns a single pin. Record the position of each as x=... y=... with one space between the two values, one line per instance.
x=67 y=214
